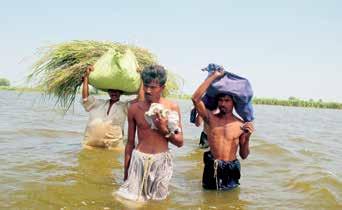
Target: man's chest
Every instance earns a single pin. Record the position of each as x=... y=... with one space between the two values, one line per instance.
x=226 y=131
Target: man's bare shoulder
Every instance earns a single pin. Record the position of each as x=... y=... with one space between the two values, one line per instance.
x=237 y=124
x=134 y=106
x=238 y=120
x=170 y=104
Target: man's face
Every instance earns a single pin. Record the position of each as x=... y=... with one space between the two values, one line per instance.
x=114 y=95
x=153 y=91
x=225 y=104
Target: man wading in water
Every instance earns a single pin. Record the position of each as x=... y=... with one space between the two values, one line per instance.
x=226 y=133
x=148 y=165
x=106 y=117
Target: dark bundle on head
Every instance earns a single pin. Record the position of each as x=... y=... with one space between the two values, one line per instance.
x=154 y=73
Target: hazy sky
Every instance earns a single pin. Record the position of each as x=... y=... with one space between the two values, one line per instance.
x=285 y=48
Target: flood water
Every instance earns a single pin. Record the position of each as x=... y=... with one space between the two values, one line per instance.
x=295 y=161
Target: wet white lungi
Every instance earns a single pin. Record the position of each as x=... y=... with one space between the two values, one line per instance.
x=148 y=177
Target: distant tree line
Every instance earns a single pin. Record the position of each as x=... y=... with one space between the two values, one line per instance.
x=4 y=82
x=293 y=101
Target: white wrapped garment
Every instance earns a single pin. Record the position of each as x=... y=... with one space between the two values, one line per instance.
x=172 y=116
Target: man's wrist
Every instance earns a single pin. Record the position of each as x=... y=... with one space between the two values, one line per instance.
x=168 y=135
x=165 y=132
x=171 y=133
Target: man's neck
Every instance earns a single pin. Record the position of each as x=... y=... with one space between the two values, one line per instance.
x=226 y=115
x=112 y=101
x=154 y=101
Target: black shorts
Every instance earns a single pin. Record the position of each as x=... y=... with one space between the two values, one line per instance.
x=227 y=173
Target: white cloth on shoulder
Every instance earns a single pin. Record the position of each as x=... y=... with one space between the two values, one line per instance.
x=172 y=116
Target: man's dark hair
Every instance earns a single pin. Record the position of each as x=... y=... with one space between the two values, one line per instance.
x=154 y=72
x=221 y=95
x=120 y=91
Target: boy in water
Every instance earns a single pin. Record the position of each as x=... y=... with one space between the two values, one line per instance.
x=148 y=165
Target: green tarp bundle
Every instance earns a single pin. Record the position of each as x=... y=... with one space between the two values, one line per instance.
x=116 y=71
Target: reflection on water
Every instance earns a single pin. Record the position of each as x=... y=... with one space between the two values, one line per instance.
x=294 y=162
x=87 y=183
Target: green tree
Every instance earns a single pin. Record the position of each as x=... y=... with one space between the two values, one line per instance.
x=4 y=82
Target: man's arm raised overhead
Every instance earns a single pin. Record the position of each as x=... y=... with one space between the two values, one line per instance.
x=198 y=94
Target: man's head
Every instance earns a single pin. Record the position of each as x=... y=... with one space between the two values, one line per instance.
x=225 y=103
x=154 y=78
x=114 y=94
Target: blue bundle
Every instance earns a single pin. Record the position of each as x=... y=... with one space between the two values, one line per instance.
x=237 y=87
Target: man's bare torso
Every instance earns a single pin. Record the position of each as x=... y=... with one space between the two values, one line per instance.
x=149 y=140
x=223 y=136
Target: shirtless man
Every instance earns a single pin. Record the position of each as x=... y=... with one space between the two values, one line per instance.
x=226 y=134
x=148 y=165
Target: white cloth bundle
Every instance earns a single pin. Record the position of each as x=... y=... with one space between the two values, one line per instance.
x=172 y=116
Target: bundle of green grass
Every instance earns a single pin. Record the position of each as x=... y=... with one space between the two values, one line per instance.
x=60 y=70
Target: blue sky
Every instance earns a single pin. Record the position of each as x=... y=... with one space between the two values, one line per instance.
x=285 y=48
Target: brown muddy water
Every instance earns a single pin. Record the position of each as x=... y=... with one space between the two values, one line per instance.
x=295 y=162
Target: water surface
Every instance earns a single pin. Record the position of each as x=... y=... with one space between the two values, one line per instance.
x=295 y=161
